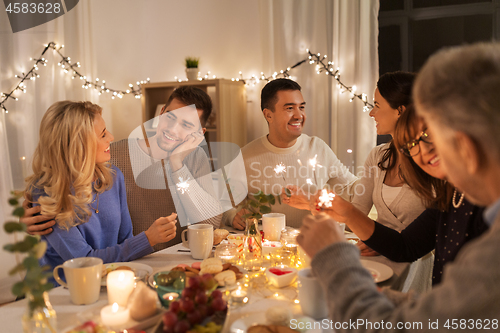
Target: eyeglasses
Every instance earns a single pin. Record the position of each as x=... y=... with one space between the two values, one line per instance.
x=412 y=148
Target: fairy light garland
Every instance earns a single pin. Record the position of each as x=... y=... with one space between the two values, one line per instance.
x=67 y=66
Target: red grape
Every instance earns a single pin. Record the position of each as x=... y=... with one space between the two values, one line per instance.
x=188 y=293
x=202 y=308
x=208 y=281
x=169 y=319
x=194 y=283
x=186 y=305
x=210 y=310
x=182 y=326
x=201 y=298
x=194 y=317
x=174 y=306
x=216 y=294
x=218 y=304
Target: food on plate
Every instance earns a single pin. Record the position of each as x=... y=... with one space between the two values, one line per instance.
x=196 y=304
x=270 y=329
x=92 y=327
x=196 y=265
x=220 y=235
x=173 y=278
x=109 y=268
x=195 y=269
x=211 y=327
x=211 y=265
x=278 y=315
x=225 y=277
x=142 y=303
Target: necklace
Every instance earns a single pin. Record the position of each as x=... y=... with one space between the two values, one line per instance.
x=97 y=207
x=456 y=205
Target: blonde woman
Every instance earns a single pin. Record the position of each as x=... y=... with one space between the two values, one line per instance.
x=74 y=182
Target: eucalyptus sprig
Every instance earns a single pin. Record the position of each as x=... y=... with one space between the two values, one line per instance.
x=259 y=203
x=36 y=280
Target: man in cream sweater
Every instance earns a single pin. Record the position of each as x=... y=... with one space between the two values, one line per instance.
x=284 y=109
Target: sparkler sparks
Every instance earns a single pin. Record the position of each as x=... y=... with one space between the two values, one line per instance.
x=280 y=169
x=325 y=199
x=182 y=185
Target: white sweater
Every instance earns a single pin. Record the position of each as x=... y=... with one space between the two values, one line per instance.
x=261 y=157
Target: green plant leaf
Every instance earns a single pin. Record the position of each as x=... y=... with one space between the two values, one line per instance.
x=19 y=212
x=254 y=203
x=13 y=202
x=279 y=199
x=9 y=247
x=271 y=199
x=287 y=192
x=258 y=194
x=18 y=289
x=24 y=246
x=39 y=249
x=16 y=269
x=11 y=227
x=246 y=216
x=265 y=209
x=263 y=199
x=258 y=216
x=30 y=263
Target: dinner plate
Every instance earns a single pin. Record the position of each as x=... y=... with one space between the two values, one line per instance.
x=140 y=270
x=242 y=324
x=380 y=272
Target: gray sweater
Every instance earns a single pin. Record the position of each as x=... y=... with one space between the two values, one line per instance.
x=469 y=290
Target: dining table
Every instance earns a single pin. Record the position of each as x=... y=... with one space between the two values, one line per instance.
x=70 y=315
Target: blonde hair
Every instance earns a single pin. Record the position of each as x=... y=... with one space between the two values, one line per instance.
x=64 y=163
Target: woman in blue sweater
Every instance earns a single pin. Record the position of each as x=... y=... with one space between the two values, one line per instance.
x=74 y=182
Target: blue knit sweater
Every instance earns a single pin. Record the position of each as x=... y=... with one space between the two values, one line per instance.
x=106 y=235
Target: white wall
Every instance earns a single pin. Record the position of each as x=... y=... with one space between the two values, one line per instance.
x=133 y=40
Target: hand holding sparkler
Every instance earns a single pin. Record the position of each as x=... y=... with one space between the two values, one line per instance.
x=280 y=169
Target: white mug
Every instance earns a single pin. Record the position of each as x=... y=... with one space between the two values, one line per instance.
x=83 y=277
x=200 y=240
x=311 y=295
x=272 y=224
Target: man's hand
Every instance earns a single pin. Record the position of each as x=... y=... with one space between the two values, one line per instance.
x=238 y=221
x=318 y=232
x=162 y=230
x=299 y=198
x=341 y=209
x=184 y=149
x=30 y=220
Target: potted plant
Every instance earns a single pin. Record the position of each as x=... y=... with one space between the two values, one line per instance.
x=192 y=68
x=39 y=316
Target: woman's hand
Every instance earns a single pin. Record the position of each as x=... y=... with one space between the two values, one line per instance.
x=238 y=222
x=341 y=209
x=366 y=250
x=299 y=199
x=162 y=230
x=318 y=232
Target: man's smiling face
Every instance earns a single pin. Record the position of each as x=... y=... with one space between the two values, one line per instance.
x=287 y=119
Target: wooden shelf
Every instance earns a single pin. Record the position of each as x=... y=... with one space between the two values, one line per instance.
x=229 y=107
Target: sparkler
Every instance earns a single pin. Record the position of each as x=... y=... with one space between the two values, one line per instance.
x=313 y=162
x=182 y=185
x=280 y=169
x=325 y=199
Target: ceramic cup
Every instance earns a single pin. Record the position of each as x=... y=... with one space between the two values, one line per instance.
x=83 y=279
x=272 y=224
x=200 y=239
x=311 y=295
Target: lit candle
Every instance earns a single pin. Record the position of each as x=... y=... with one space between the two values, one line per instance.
x=239 y=296
x=120 y=285
x=115 y=316
x=170 y=296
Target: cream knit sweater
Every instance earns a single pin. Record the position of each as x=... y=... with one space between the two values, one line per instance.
x=261 y=157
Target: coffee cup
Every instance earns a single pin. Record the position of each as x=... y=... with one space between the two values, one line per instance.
x=311 y=295
x=200 y=240
x=83 y=279
x=272 y=224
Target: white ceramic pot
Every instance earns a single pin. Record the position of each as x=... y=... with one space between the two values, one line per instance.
x=192 y=74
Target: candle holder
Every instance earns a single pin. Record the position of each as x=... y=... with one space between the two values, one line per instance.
x=239 y=294
x=115 y=316
x=227 y=253
x=169 y=283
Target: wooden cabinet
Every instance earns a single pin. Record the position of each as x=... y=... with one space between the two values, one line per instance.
x=228 y=120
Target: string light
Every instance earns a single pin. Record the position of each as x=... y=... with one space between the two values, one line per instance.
x=67 y=66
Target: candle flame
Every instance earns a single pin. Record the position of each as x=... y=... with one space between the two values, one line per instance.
x=326 y=198
x=183 y=185
x=115 y=307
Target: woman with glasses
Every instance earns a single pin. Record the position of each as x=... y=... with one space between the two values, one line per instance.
x=449 y=222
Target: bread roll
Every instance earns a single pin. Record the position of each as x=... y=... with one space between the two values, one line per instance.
x=142 y=303
x=220 y=235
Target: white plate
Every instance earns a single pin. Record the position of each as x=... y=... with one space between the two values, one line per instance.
x=380 y=272
x=242 y=324
x=134 y=265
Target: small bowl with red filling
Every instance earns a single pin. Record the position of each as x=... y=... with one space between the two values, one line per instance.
x=281 y=276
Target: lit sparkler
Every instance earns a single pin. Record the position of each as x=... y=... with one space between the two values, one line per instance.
x=182 y=185
x=280 y=169
x=313 y=162
x=326 y=198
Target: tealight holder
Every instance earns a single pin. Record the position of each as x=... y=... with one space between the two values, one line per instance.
x=239 y=294
x=227 y=253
